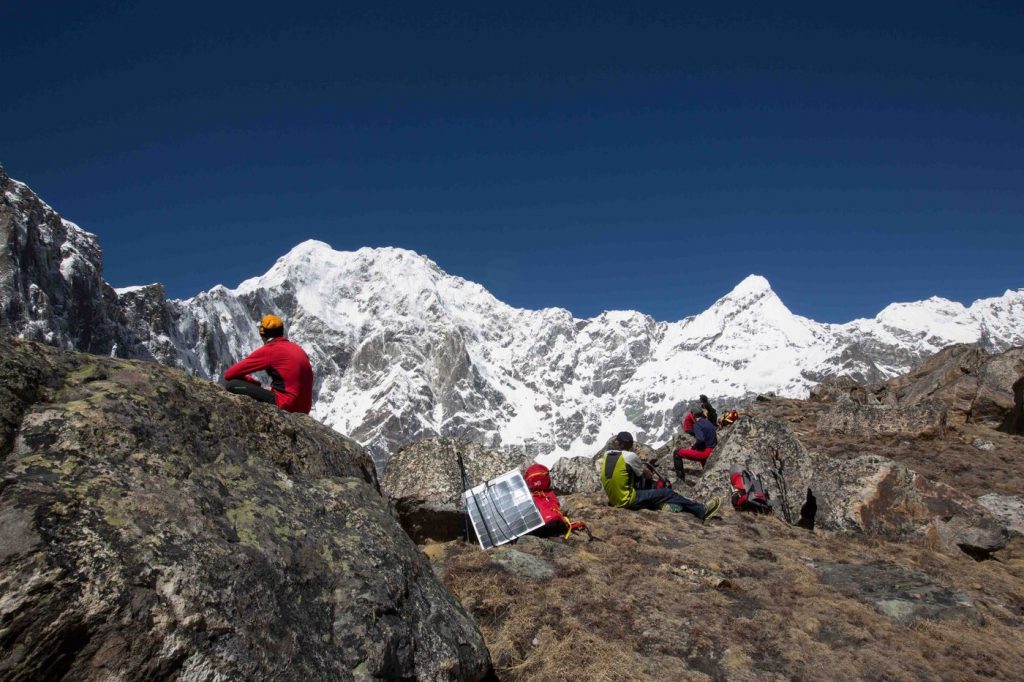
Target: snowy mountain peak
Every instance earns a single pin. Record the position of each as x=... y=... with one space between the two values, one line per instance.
x=937 y=321
x=753 y=291
x=751 y=286
x=402 y=350
x=303 y=250
x=1011 y=299
x=385 y=260
x=1014 y=294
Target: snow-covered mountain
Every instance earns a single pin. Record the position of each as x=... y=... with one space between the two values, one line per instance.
x=402 y=350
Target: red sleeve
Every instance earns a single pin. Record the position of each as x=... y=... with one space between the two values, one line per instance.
x=258 y=360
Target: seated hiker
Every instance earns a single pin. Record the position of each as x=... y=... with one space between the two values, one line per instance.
x=291 y=377
x=707 y=439
x=629 y=482
x=538 y=480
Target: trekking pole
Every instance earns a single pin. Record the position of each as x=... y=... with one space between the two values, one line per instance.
x=778 y=466
x=657 y=473
x=590 y=536
x=465 y=487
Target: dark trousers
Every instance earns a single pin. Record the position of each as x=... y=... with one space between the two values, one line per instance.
x=677 y=464
x=254 y=391
x=655 y=497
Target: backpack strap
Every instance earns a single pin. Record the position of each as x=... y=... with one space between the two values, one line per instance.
x=610 y=460
x=571 y=526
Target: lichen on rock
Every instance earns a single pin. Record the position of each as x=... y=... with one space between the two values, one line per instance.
x=156 y=527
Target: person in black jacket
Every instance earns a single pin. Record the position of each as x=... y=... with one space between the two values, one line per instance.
x=709 y=412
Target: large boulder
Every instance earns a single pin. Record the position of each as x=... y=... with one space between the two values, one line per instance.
x=975 y=386
x=1008 y=508
x=977 y=535
x=999 y=402
x=425 y=483
x=765 y=446
x=926 y=419
x=834 y=389
x=157 y=527
x=867 y=494
x=876 y=495
x=575 y=475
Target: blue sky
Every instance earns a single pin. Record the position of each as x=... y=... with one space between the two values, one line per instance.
x=588 y=155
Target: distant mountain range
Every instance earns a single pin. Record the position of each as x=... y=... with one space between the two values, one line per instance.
x=403 y=350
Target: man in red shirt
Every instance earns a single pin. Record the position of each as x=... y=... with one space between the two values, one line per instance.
x=291 y=377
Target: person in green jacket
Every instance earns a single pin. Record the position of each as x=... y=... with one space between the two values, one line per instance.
x=629 y=483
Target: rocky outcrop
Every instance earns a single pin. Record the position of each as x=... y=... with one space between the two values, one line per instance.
x=52 y=289
x=899 y=594
x=834 y=389
x=972 y=386
x=767 y=447
x=1007 y=508
x=925 y=419
x=425 y=484
x=975 y=386
x=156 y=527
x=51 y=280
x=867 y=494
x=876 y=495
x=575 y=475
x=978 y=535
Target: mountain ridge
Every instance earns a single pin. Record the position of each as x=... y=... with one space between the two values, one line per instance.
x=403 y=350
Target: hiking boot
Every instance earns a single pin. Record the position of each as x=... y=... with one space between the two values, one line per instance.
x=711 y=507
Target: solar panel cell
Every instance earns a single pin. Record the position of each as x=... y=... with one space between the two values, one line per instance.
x=501 y=509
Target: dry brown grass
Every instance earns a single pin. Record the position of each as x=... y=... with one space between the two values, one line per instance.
x=664 y=597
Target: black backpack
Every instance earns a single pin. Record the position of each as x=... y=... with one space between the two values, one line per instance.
x=748 y=491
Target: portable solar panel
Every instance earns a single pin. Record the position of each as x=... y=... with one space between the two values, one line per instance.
x=501 y=509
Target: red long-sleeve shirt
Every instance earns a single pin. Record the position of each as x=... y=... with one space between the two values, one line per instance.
x=290 y=373
x=688 y=424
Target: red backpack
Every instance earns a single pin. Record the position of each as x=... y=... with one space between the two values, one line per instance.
x=538 y=480
x=728 y=418
x=749 y=492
